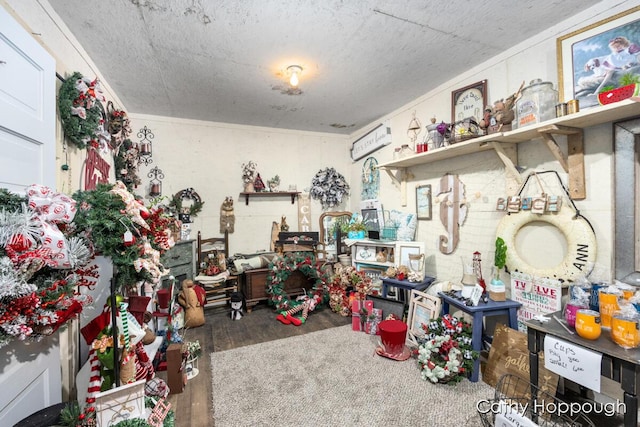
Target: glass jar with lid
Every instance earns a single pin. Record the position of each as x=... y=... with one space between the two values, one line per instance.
x=537 y=103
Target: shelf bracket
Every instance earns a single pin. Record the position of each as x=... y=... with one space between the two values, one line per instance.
x=508 y=153
x=401 y=182
x=573 y=164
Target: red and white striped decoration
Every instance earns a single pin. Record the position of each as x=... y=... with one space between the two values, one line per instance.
x=95 y=380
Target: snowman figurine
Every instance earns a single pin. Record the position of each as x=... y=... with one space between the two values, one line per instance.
x=236 y=306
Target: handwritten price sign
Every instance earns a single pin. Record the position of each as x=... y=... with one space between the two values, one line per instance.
x=573 y=362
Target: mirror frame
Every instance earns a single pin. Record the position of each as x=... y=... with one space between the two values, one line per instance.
x=323 y=240
x=627 y=211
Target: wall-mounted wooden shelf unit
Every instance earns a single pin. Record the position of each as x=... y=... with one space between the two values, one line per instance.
x=504 y=145
x=292 y=194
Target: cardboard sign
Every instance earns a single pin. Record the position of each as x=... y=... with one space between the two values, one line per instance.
x=537 y=296
x=573 y=362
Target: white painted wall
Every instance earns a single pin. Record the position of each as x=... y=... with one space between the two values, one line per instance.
x=209 y=156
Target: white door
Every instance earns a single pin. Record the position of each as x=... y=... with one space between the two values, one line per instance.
x=30 y=377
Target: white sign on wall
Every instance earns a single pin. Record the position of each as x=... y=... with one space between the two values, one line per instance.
x=304 y=212
x=537 y=296
x=370 y=142
x=573 y=362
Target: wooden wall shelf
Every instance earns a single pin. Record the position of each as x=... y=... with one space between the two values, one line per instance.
x=504 y=144
x=292 y=194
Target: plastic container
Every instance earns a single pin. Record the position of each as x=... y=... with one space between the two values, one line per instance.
x=588 y=324
x=625 y=328
x=537 y=103
x=571 y=309
x=609 y=298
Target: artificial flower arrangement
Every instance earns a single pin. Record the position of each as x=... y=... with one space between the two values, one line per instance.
x=42 y=266
x=329 y=187
x=249 y=172
x=193 y=349
x=346 y=284
x=445 y=354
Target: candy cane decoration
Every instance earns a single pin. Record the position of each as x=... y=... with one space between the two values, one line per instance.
x=126 y=356
x=95 y=381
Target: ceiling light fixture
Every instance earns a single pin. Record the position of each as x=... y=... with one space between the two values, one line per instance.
x=294 y=72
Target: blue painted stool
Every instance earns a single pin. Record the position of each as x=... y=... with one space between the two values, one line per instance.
x=483 y=309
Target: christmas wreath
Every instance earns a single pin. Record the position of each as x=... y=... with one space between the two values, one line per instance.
x=189 y=194
x=329 y=187
x=280 y=270
x=80 y=110
x=345 y=282
x=445 y=354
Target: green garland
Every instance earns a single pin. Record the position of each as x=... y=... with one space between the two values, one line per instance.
x=101 y=212
x=188 y=193
x=280 y=270
x=79 y=131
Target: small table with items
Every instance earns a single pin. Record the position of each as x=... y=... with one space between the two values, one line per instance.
x=405 y=285
x=618 y=364
x=483 y=309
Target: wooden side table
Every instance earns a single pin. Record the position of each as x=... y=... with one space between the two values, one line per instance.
x=479 y=312
x=405 y=285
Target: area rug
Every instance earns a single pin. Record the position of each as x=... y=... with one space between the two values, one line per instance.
x=333 y=378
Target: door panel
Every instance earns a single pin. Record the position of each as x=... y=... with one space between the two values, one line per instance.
x=30 y=373
x=27 y=107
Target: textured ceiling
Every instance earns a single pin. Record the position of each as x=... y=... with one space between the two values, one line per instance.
x=223 y=60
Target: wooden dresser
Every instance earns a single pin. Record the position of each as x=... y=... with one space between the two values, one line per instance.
x=254 y=285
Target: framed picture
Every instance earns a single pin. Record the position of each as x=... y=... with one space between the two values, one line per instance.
x=596 y=56
x=389 y=306
x=371 y=271
x=469 y=101
x=422 y=308
x=404 y=249
x=423 y=201
x=372 y=215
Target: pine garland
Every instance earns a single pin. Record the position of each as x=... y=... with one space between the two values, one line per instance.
x=80 y=131
x=102 y=214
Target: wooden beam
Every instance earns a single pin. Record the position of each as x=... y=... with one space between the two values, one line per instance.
x=577 y=186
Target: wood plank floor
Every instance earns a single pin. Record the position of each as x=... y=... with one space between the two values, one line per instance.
x=194 y=407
